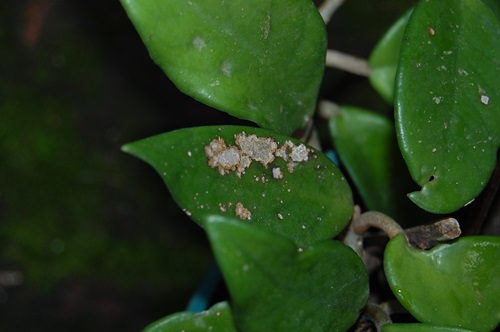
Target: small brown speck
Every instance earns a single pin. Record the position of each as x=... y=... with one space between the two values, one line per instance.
x=431 y=31
x=280 y=216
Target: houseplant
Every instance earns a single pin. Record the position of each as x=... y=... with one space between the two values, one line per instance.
x=280 y=214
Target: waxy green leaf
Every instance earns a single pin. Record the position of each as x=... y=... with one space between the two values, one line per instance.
x=217 y=318
x=448 y=102
x=416 y=327
x=366 y=143
x=261 y=61
x=275 y=287
x=305 y=200
x=453 y=284
x=385 y=57
x=494 y=6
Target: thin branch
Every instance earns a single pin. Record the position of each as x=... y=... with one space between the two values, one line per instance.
x=308 y=134
x=393 y=307
x=377 y=220
x=346 y=62
x=353 y=239
x=328 y=109
x=328 y=8
x=377 y=315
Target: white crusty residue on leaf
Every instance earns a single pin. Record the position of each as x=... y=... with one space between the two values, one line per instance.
x=249 y=148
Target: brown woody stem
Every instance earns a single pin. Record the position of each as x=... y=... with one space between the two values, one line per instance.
x=427 y=236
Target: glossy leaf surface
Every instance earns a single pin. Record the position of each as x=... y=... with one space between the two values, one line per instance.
x=452 y=284
x=366 y=143
x=448 y=101
x=494 y=6
x=311 y=204
x=217 y=318
x=275 y=287
x=385 y=57
x=420 y=328
x=258 y=60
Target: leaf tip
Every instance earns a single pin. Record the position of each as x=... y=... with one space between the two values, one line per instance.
x=130 y=148
x=125 y=148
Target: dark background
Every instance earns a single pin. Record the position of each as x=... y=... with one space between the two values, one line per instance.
x=90 y=239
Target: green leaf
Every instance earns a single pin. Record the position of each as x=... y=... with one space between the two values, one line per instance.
x=420 y=328
x=366 y=143
x=452 y=284
x=217 y=318
x=494 y=5
x=258 y=60
x=311 y=204
x=448 y=101
x=385 y=57
x=275 y=287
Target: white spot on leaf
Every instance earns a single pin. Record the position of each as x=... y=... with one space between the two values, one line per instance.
x=485 y=99
x=437 y=100
x=199 y=43
x=253 y=148
x=257 y=148
x=266 y=27
x=277 y=173
x=300 y=153
x=226 y=68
